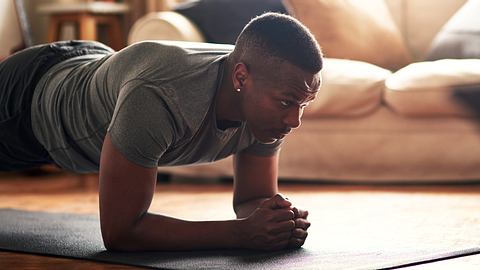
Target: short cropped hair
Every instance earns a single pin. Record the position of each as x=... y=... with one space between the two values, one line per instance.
x=279 y=36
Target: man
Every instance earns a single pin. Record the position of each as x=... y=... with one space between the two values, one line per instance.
x=151 y=105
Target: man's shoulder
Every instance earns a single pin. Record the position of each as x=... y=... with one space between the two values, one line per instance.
x=178 y=50
x=185 y=46
x=162 y=60
x=184 y=78
x=153 y=51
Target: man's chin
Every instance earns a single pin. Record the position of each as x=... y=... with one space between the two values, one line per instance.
x=272 y=141
x=267 y=140
x=265 y=137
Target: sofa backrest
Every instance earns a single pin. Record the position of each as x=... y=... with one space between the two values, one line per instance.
x=420 y=20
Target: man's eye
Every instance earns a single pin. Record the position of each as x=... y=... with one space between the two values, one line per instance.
x=285 y=103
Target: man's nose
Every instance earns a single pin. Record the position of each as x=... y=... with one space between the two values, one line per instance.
x=293 y=119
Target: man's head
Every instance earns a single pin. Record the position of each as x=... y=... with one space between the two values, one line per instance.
x=276 y=66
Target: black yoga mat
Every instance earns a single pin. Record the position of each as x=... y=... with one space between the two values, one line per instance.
x=78 y=236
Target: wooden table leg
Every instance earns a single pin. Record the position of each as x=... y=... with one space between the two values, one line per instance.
x=88 y=27
x=53 y=29
x=115 y=33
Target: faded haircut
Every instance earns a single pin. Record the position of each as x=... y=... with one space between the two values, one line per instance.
x=275 y=35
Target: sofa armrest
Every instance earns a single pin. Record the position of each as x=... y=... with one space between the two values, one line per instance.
x=164 y=25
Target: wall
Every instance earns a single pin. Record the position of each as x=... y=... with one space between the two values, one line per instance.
x=9 y=28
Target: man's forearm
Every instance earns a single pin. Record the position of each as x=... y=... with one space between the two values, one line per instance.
x=157 y=232
x=244 y=209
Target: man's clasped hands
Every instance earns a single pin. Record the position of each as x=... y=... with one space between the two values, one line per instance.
x=276 y=225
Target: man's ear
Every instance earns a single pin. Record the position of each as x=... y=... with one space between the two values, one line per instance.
x=239 y=75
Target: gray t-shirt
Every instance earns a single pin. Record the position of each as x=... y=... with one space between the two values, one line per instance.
x=156 y=100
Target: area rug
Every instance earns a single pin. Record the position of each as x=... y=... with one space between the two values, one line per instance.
x=78 y=236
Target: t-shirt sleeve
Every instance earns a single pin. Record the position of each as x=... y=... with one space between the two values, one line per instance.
x=142 y=126
x=263 y=149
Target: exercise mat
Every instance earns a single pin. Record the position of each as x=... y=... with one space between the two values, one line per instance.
x=78 y=236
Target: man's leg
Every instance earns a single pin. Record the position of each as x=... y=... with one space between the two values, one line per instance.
x=18 y=76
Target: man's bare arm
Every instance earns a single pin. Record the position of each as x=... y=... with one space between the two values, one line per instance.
x=255 y=181
x=126 y=191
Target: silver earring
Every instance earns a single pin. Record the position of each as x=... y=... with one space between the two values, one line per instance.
x=238 y=89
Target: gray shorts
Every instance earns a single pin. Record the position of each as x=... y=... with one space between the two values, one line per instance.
x=19 y=74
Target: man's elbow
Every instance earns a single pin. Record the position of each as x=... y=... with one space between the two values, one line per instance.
x=237 y=207
x=115 y=239
x=111 y=241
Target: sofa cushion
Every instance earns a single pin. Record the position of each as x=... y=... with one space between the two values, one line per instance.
x=460 y=37
x=426 y=88
x=350 y=88
x=353 y=29
x=222 y=20
x=165 y=25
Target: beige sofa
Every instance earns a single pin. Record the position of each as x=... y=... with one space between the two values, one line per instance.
x=369 y=123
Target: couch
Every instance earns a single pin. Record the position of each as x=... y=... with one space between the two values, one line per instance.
x=384 y=117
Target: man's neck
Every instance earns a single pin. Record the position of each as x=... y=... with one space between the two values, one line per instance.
x=228 y=101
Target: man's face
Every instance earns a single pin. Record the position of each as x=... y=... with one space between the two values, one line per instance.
x=273 y=104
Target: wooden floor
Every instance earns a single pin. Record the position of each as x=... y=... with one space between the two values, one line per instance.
x=61 y=192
